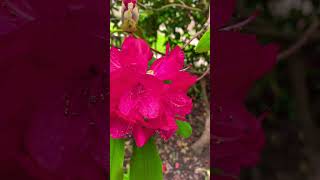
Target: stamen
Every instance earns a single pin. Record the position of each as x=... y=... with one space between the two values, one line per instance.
x=150 y=72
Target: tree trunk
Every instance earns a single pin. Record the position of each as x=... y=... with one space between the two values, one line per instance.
x=309 y=129
x=204 y=140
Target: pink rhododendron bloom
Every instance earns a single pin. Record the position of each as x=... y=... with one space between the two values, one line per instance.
x=239 y=60
x=147 y=100
x=237 y=136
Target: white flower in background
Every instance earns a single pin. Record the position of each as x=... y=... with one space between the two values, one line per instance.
x=201 y=62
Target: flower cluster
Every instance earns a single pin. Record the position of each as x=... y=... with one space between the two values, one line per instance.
x=145 y=100
x=239 y=60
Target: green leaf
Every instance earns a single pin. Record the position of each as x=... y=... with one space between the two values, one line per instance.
x=161 y=42
x=145 y=162
x=204 y=43
x=126 y=177
x=151 y=61
x=116 y=159
x=184 y=129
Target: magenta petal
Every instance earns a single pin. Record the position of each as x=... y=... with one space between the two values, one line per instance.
x=166 y=68
x=119 y=128
x=126 y=2
x=118 y=89
x=128 y=102
x=141 y=135
x=150 y=107
x=136 y=52
x=169 y=127
x=177 y=55
x=114 y=59
x=179 y=104
x=183 y=81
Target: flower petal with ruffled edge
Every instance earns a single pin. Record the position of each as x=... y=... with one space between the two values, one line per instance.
x=167 y=67
x=135 y=52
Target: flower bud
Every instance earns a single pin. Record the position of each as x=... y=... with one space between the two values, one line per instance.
x=130 y=15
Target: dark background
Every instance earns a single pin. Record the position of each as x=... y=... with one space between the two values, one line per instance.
x=290 y=92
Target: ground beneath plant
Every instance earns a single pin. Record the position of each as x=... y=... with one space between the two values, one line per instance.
x=180 y=162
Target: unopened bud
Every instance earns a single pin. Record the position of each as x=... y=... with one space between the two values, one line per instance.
x=130 y=15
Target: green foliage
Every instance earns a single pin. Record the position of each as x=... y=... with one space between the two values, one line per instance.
x=145 y=162
x=116 y=158
x=184 y=129
x=204 y=43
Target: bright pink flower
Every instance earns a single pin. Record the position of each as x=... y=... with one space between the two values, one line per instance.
x=126 y=2
x=145 y=101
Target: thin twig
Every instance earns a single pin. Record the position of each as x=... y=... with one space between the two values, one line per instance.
x=18 y=11
x=301 y=42
x=204 y=74
x=178 y=5
x=241 y=24
x=137 y=36
x=204 y=28
x=182 y=2
x=170 y=5
x=195 y=36
x=143 y=6
x=186 y=68
x=156 y=51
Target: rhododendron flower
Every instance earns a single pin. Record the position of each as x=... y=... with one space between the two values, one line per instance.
x=239 y=60
x=53 y=114
x=147 y=100
x=236 y=134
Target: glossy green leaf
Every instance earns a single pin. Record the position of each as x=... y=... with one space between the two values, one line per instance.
x=145 y=162
x=204 y=43
x=116 y=159
x=184 y=129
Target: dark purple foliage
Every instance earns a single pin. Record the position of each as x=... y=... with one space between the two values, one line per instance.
x=239 y=60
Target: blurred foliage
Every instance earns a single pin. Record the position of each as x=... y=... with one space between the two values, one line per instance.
x=283 y=22
x=160 y=23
